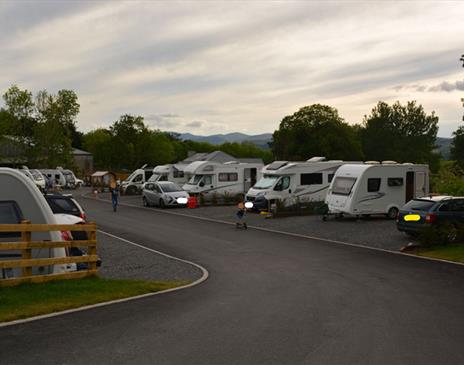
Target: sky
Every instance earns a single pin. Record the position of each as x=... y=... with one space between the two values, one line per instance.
x=207 y=67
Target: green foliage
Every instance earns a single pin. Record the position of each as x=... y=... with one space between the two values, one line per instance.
x=457 y=146
x=316 y=130
x=227 y=198
x=449 y=180
x=214 y=198
x=404 y=133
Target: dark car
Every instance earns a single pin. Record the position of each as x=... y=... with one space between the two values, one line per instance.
x=432 y=212
x=65 y=204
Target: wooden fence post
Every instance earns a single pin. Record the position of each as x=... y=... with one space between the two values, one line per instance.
x=93 y=248
x=26 y=253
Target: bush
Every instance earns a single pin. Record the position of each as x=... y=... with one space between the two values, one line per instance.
x=449 y=180
x=214 y=198
x=442 y=235
x=227 y=198
x=201 y=199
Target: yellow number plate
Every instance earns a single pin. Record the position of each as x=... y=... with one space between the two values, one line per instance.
x=412 y=217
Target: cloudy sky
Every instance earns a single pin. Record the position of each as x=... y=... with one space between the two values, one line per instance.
x=216 y=67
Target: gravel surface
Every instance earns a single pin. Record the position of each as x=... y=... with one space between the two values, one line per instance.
x=121 y=260
x=376 y=231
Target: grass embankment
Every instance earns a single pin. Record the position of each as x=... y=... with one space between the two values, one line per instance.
x=27 y=300
x=450 y=252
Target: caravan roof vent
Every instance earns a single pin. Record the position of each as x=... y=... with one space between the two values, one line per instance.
x=372 y=163
x=316 y=159
x=335 y=161
x=231 y=162
x=276 y=165
x=389 y=162
x=408 y=163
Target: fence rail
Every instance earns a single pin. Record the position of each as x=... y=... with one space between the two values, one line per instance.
x=26 y=245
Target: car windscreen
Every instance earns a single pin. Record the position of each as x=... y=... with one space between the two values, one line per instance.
x=37 y=175
x=69 y=177
x=170 y=188
x=266 y=182
x=343 y=185
x=419 y=205
x=195 y=179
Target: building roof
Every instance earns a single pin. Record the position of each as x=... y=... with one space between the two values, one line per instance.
x=78 y=152
x=101 y=173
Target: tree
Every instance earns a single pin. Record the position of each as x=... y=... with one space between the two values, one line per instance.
x=401 y=133
x=315 y=130
x=457 y=147
x=100 y=143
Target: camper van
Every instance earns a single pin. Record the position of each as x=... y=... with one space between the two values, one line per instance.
x=290 y=182
x=56 y=176
x=21 y=200
x=376 y=188
x=171 y=172
x=134 y=183
x=233 y=177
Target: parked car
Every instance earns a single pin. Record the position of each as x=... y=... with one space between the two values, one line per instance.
x=65 y=203
x=432 y=212
x=163 y=194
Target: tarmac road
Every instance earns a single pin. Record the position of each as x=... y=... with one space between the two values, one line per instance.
x=270 y=299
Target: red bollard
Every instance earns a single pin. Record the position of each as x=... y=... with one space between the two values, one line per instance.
x=192 y=202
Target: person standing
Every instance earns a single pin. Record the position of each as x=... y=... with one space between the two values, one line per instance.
x=114 y=196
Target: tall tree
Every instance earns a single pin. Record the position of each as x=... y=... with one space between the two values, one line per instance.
x=457 y=147
x=400 y=132
x=315 y=130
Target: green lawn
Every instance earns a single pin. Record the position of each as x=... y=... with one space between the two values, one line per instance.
x=451 y=252
x=27 y=300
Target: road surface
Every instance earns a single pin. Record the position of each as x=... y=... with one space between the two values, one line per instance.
x=270 y=299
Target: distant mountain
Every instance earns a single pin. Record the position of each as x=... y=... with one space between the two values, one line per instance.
x=443 y=146
x=260 y=140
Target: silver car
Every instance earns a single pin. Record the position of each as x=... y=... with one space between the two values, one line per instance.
x=163 y=194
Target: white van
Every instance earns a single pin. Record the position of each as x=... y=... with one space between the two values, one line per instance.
x=291 y=182
x=134 y=183
x=170 y=172
x=233 y=177
x=376 y=188
x=21 y=200
x=56 y=176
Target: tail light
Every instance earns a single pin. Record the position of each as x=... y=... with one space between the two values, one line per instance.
x=66 y=236
x=82 y=215
x=430 y=218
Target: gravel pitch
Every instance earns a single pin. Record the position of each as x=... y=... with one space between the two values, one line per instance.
x=121 y=260
x=375 y=231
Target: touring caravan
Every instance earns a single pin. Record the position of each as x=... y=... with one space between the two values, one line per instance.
x=376 y=188
x=134 y=183
x=233 y=177
x=21 y=200
x=290 y=182
x=56 y=176
x=170 y=172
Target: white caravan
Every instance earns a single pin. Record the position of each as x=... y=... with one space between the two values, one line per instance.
x=170 y=172
x=376 y=188
x=209 y=177
x=290 y=182
x=134 y=183
x=55 y=175
x=21 y=200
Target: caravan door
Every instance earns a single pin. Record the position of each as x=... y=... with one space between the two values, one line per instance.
x=249 y=178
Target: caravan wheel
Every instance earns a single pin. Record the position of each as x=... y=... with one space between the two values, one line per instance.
x=392 y=213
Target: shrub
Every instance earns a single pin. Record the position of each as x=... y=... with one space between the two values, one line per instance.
x=214 y=198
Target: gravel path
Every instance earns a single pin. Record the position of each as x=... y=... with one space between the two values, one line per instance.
x=376 y=231
x=121 y=260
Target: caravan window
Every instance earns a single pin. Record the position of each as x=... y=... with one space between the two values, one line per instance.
x=138 y=178
x=10 y=213
x=178 y=173
x=373 y=184
x=228 y=176
x=283 y=183
x=395 y=181
x=343 y=185
x=311 y=179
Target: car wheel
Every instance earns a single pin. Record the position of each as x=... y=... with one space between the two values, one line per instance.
x=392 y=213
x=131 y=190
x=452 y=234
x=161 y=204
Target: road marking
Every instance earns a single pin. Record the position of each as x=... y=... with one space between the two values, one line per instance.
x=204 y=276
x=357 y=245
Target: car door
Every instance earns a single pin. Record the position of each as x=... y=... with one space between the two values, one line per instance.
x=458 y=211
x=156 y=193
x=148 y=192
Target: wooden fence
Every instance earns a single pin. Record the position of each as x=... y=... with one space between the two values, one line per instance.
x=25 y=245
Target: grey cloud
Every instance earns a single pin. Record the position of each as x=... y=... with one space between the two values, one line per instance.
x=164 y=120
x=194 y=124
x=447 y=86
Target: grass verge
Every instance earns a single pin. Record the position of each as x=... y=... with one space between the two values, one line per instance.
x=28 y=300
x=450 y=252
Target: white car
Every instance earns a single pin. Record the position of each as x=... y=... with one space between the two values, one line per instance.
x=163 y=194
